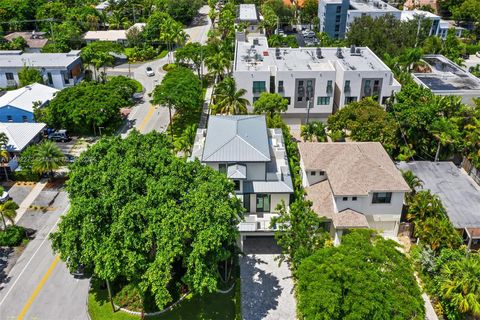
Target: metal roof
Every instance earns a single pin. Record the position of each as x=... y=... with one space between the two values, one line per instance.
x=25 y=97
x=20 y=134
x=268 y=186
x=459 y=194
x=17 y=59
x=237 y=171
x=236 y=139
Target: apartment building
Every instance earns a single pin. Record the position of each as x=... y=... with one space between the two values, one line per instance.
x=353 y=185
x=336 y=16
x=255 y=159
x=59 y=70
x=316 y=81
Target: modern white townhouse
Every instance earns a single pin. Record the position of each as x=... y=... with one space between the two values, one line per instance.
x=255 y=159
x=445 y=78
x=317 y=81
x=353 y=185
x=59 y=70
x=336 y=16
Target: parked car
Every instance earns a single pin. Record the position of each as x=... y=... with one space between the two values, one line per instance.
x=59 y=135
x=149 y=71
x=4 y=197
x=80 y=272
x=70 y=158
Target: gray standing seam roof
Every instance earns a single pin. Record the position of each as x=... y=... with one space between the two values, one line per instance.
x=236 y=139
x=460 y=198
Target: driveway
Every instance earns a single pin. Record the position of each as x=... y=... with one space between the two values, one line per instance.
x=267 y=289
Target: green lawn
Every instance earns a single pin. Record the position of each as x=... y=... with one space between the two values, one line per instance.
x=214 y=306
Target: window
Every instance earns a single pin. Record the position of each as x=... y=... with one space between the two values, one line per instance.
x=339 y=9
x=259 y=87
x=313 y=173
x=222 y=168
x=323 y=101
x=9 y=76
x=337 y=27
x=288 y=99
x=345 y=198
x=24 y=119
x=376 y=87
x=272 y=84
x=337 y=18
x=246 y=202
x=50 y=79
x=382 y=197
x=237 y=185
x=347 y=86
x=299 y=99
x=263 y=202
x=300 y=82
x=280 y=86
x=384 y=100
x=322 y=173
x=350 y=99
x=9 y=119
x=354 y=198
x=329 y=87
x=325 y=226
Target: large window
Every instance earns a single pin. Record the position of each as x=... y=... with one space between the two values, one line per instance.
x=237 y=185
x=382 y=197
x=329 y=87
x=246 y=202
x=347 y=86
x=263 y=202
x=9 y=76
x=259 y=87
x=350 y=99
x=280 y=86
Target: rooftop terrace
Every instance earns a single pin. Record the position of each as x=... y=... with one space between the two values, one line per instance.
x=446 y=76
x=255 y=55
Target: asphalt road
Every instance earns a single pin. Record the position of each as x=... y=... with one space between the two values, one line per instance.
x=39 y=286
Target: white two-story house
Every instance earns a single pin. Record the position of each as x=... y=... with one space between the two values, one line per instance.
x=255 y=159
x=353 y=185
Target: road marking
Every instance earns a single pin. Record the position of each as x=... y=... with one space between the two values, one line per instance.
x=38 y=288
x=33 y=256
x=147 y=117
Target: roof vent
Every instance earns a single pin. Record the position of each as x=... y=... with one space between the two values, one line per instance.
x=319 y=53
x=352 y=49
x=339 y=53
x=255 y=42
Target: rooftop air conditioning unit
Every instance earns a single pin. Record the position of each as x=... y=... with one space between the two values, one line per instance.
x=339 y=53
x=319 y=53
x=255 y=42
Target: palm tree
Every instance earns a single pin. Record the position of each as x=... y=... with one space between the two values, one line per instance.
x=217 y=64
x=424 y=205
x=4 y=154
x=411 y=58
x=460 y=283
x=229 y=100
x=314 y=129
x=48 y=157
x=413 y=182
x=8 y=211
x=184 y=144
x=172 y=34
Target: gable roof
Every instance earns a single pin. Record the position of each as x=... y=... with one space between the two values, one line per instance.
x=20 y=134
x=353 y=168
x=24 y=98
x=236 y=139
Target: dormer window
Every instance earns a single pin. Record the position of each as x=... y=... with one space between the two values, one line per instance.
x=322 y=173
x=313 y=173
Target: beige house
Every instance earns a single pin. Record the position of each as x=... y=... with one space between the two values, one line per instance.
x=353 y=185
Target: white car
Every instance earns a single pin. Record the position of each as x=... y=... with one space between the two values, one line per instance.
x=149 y=71
x=4 y=197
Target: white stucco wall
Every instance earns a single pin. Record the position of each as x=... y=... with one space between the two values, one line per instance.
x=364 y=204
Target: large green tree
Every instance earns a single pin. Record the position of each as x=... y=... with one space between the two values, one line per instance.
x=89 y=105
x=47 y=158
x=180 y=90
x=141 y=214
x=366 y=120
x=366 y=277
x=29 y=75
x=270 y=103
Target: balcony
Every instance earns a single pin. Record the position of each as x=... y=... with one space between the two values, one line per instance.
x=257 y=222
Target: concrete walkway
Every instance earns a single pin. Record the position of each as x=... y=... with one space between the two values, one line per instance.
x=27 y=202
x=266 y=288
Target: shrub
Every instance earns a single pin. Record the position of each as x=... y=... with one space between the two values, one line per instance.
x=25 y=175
x=12 y=236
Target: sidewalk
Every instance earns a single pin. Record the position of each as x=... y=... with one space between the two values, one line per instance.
x=23 y=207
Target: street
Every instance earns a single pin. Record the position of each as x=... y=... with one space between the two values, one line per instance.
x=39 y=286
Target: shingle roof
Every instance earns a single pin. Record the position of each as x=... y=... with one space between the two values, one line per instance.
x=458 y=193
x=321 y=196
x=236 y=139
x=20 y=134
x=24 y=98
x=353 y=168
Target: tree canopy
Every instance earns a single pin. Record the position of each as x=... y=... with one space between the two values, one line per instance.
x=366 y=120
x=366 y=277
x=140 y=213
x=271 y=103
x=29 y=75
x=88 y=105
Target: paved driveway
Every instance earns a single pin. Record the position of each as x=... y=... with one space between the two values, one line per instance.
x=267 y=289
